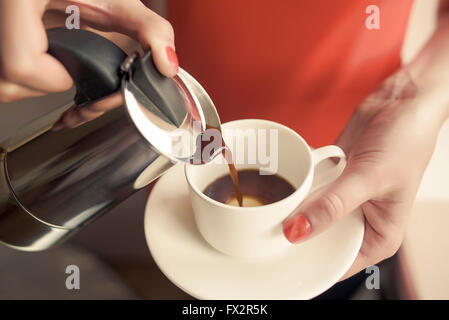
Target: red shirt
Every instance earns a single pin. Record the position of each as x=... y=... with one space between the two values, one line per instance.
x=303 y=63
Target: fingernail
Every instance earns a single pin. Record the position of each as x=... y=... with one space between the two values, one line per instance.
x=172 y=57
x=296 y=228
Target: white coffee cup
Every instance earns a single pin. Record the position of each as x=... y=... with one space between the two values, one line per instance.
x=256 y=231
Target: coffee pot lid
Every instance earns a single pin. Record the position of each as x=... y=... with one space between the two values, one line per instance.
x=170 y=113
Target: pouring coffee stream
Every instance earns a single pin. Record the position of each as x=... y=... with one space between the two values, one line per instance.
x=227 y=155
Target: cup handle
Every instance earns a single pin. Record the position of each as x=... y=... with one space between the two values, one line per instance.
x=320 y=154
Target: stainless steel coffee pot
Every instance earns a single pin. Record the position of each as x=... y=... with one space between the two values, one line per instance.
x=55 y=182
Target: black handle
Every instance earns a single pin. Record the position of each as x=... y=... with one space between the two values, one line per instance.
x=161 y=90
x=92 y=61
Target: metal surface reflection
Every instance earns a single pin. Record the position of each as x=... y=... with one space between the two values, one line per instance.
x=56 y=182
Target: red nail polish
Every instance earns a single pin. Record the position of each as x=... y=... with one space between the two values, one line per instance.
x=172 y=57
x=296 y=228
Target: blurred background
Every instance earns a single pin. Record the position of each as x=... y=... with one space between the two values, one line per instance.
x=116 y=263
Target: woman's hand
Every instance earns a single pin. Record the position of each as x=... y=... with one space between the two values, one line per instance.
x=26 y=70
x=389 y=142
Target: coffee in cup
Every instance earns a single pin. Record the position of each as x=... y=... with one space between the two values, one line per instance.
x=256 y=189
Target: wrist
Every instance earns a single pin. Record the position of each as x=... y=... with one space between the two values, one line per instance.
x=428 y=71
x=431 y=95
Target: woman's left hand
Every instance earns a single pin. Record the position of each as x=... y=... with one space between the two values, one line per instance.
x=388 y=141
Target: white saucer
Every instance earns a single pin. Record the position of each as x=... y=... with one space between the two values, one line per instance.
x=302 y=272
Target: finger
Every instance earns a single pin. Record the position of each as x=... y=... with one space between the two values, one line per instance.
x=134 y=19
x=375 y=248
x=329 y=205
x=10 y=92
x=367 y=255
x=23 y=48
x=362 y=261
x=75 y=116
x=159 y=36
x=108 y=103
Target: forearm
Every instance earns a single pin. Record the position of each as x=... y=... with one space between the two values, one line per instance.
x=430 y=72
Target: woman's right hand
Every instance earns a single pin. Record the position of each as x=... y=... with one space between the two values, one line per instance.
x=27 y=70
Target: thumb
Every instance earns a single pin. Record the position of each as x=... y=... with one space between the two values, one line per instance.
x=328 y=205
